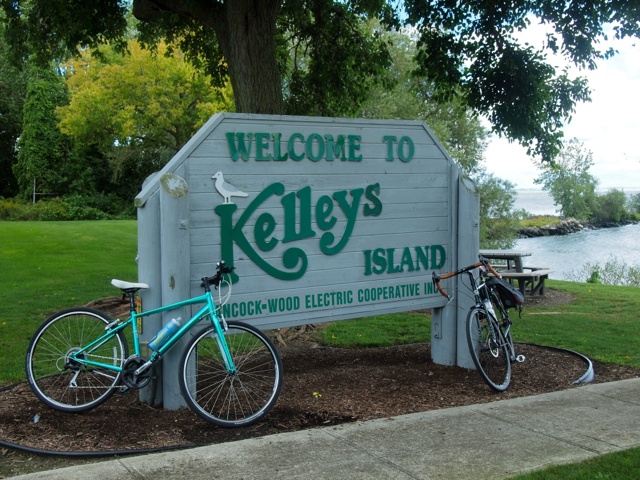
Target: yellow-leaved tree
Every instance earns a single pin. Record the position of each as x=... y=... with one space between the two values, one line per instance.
x=139 y=108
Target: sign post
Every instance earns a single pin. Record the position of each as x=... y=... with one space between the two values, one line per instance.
x=324 y=219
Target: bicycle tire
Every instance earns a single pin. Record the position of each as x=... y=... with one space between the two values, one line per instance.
x=50 y=373
x=227 y=399
x=490 y=354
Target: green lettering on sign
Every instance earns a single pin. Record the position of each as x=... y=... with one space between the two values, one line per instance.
x=293 y=258
x=407 y=259
x=289 y=203
x=262 y=144
x=277 y=156
x=240 y=149
x=406 y=144
x=291 y=146
x=354 y=146
x=316 y=153
x=350 y=211
x=298 y=225
x=268 y=147
x=335 y=148
x=405 y=150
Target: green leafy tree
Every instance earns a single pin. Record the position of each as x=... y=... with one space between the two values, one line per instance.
x=499 y=223
x=612 y=206
x=43 y=151
x=330 y=39
x=48 y=160
x=634 y=203
x=404 y=96
x=456 y=126
x=137 y=109
x=569 y=182
x=12 y=93
x=465 y=48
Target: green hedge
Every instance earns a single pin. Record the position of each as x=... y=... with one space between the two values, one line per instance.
x=75 y=207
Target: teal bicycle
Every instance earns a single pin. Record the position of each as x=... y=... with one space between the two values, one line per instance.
x=230 y=372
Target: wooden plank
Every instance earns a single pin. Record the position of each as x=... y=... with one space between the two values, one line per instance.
x=533 y=274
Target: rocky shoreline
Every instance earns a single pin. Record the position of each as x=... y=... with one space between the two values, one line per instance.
x=565 y=227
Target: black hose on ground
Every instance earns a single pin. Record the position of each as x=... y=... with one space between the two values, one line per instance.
x=589 y=375
x=93 y=454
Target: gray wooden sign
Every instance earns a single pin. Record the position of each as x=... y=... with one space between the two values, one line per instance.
x=324 y=219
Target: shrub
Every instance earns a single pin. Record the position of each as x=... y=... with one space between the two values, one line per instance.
x=595 y=276
x=14 y=209
x=613 y=272
x=75 y=207
x=112 y=205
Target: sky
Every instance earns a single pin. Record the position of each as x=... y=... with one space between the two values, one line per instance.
x=608 y=126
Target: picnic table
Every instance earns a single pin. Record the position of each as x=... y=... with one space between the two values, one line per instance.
x=530 y=280
x=512 y=258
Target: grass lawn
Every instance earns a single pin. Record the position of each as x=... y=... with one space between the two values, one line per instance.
x=48 y=266
x=601 y=322
x=623 y=465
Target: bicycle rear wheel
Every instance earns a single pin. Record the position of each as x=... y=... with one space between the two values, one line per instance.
x=59 y=381
x=231 y=399
x=489 y=350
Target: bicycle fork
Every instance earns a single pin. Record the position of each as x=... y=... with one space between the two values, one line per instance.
x=512 y=351
x=220 y=326
x=497 y=335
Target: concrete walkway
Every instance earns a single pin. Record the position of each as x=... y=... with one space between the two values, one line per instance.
x=489 y=441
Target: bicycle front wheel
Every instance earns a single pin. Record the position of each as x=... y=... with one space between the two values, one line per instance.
x=489 y=350
x=231 y=398
x=63 y=383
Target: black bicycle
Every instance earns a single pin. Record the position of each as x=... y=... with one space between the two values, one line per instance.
x=488 y=323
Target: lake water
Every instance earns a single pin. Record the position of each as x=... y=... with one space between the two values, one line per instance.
x=566 y=255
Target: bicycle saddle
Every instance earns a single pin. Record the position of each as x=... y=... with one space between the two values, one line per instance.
x=122 y=285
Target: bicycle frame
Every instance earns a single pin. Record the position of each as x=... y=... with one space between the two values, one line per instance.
x=115 y=328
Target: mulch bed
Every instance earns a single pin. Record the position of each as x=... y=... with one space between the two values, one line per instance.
x=323 y=386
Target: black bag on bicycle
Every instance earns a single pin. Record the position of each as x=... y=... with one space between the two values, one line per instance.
x=510 y=296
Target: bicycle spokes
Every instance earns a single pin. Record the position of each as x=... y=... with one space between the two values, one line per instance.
x=56 y=368
x=488 y=350
x=231 y=397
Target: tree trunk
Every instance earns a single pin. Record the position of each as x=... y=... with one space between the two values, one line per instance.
x=246 y=32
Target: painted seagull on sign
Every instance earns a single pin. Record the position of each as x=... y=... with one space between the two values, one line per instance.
x=226 y=189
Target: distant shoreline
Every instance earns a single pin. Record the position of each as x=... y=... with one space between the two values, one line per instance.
x=566 y=227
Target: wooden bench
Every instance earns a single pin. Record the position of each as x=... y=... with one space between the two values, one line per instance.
x=529 y=283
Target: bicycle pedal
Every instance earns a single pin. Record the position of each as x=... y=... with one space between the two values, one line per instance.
x=520 y=358
x=124 y=390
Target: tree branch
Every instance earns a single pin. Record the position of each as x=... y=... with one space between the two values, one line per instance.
x=204 y=11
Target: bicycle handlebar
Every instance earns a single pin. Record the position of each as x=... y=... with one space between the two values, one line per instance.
x=482 y=263
x=221 y=269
